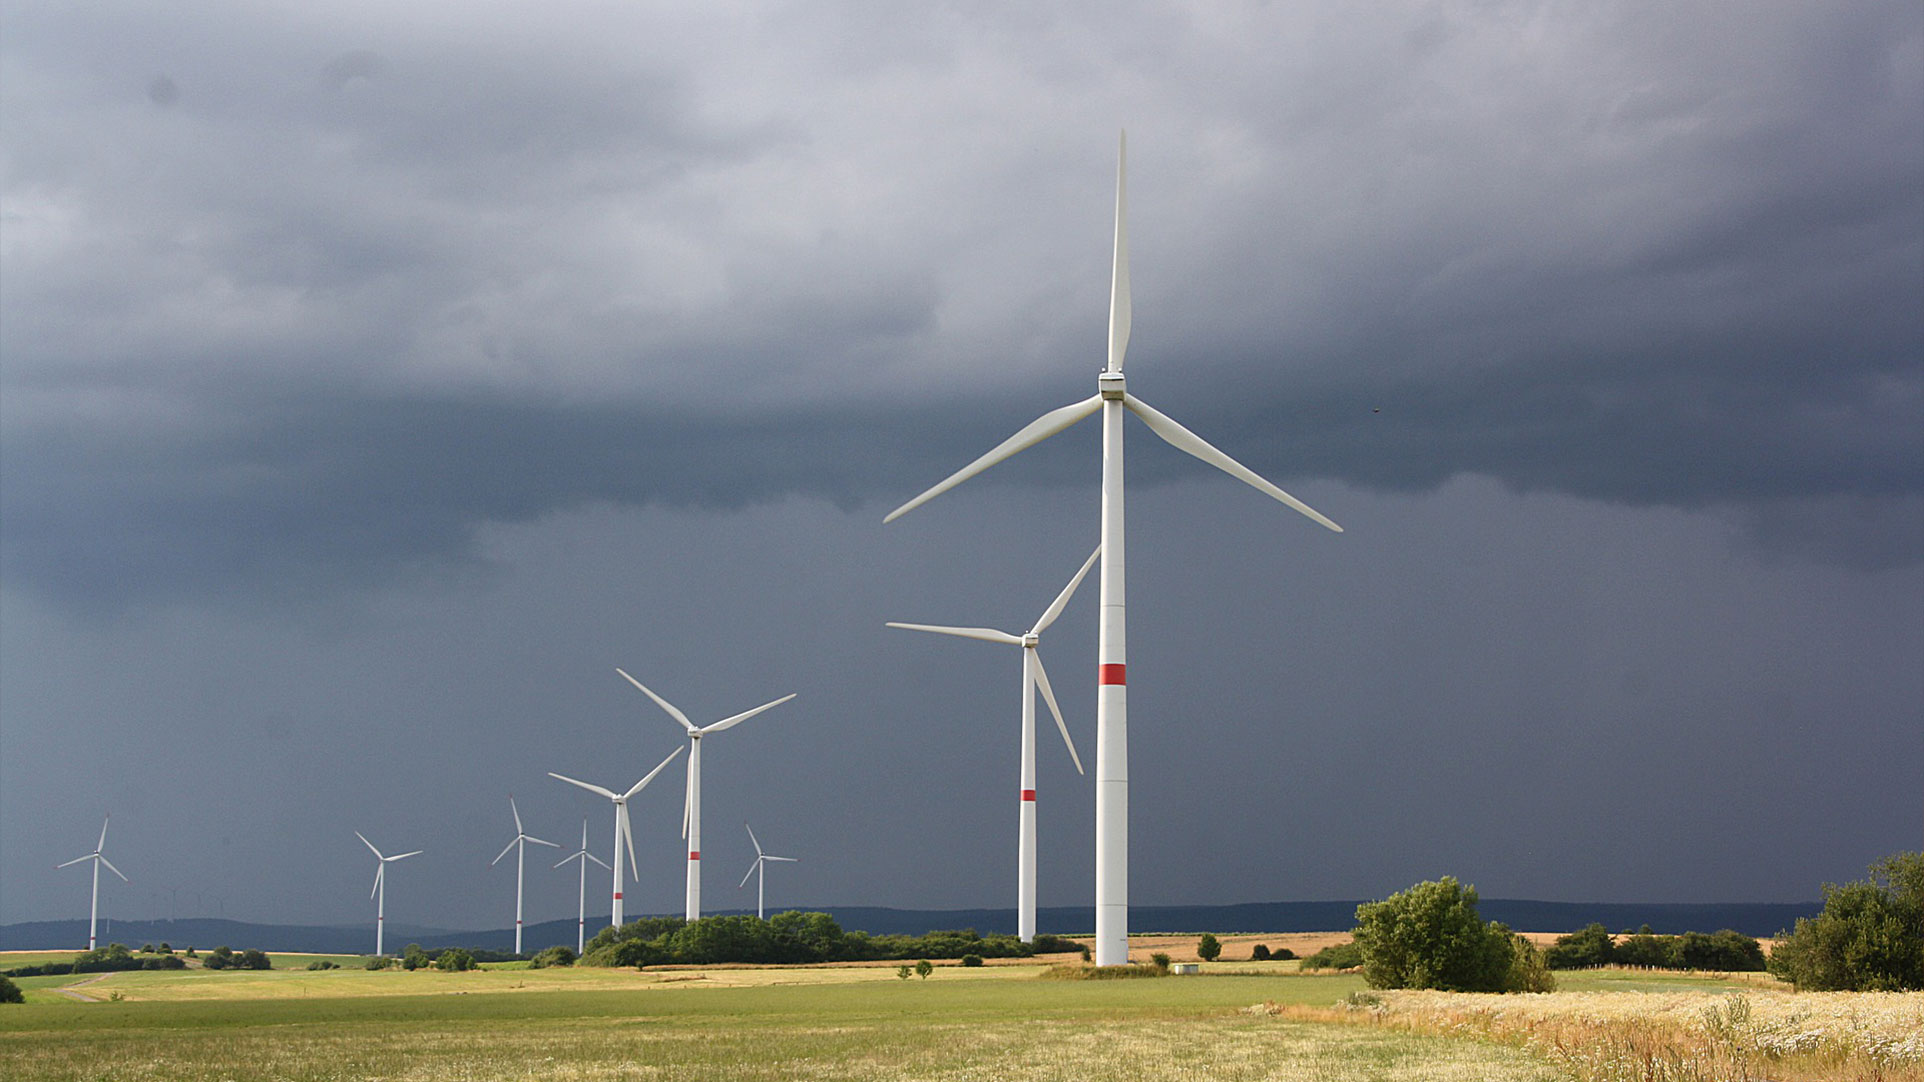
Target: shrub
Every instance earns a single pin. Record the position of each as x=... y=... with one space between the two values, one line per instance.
x=1430 y=936
x=902 y=972
x=454 y=960
x=556 y=955
x=219 y=958
x=1281 y=954
x=1259 y=953
x=1869 y=937
x=1207 y=948
x=378 y=961
x=1160 y=961
x=1341 y=956
x=1054 y=944
x=323 y=964
x=971 y=960
x=10 y=992
x=253 y=959
x=1529 y=972
x=1593 y=946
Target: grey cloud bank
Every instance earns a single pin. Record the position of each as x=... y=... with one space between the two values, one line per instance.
x=465 y=355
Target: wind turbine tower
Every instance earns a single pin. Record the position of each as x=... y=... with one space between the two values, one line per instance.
x=624 y=837
x=691 y=804
x=582 y=855
x=1112 y=399
x=1033 y=676
x=380 y=890
x=93 y=907
x=758 y=870
x=520 y=845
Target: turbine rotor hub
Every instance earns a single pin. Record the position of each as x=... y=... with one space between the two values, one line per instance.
x=1112 y=385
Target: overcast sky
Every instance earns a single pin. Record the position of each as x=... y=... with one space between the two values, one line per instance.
x=379 y=377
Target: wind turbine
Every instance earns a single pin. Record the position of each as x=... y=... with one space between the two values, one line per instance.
x=691 y=803
x=380 y=890
x=1112 y=398
x=1033 y=676
x=757 y=870
x=623 y=835
x=520 y=844
x=93 y=907
x=581 y=921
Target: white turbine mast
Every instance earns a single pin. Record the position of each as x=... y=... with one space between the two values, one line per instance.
x=98 y=858
x=1112 y=398
x=582 y=855
x=624 y=837
x=520 y=845
x=691 y=802
x=758 y=870
x=1033 y=676
x=380 y=890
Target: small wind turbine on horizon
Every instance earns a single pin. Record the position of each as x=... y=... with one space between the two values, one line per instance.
x=582 y=855
x=1113 y=399
x=99 y=858
x=691 y=802
x=1033 y=676
x=623 y=835
x=380 y=890
x=758 y=869
x=520 y=844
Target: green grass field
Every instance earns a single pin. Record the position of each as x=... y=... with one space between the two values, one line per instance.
x=997 y=1022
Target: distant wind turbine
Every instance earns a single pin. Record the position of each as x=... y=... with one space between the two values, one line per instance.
x=380 y=889
x=691 y=803
x=582 y=855
x=520 y=845
x=758 y=870
x=99 y=858
x=1033 y=676
x=624 y=837
x=1112 y=399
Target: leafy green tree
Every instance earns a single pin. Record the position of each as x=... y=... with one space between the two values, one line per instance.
x=415 y=958
x=902 y=972
x=1869 y=938
x=1529 y=971
x=971 y=960
x=1259 y=953
x=1430 y=936
x=10 y=992
x=1591 y=947
x=1207 y=948
x=556 y=955
x=454 y=960
x=923 y=969
x=252 y=959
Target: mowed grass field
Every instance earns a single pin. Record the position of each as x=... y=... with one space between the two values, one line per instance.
x=993 y=1022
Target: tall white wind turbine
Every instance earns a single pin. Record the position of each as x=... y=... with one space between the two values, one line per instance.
x=1033 y=676
x=1112 y=398
x=380 y=890
x=520 y=845
x=582 y=855
x=691 y=803
x=757 y=870
x=623 y=835
x=99 y=858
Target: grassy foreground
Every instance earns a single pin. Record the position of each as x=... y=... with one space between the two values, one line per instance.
x=989 y=1023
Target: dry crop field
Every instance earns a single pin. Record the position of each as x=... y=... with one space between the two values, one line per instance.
x=1237 y=1022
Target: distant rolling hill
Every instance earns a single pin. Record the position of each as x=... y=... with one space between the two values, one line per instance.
x=1755 y=919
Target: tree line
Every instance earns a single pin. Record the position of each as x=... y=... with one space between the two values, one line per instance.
x=792 y=937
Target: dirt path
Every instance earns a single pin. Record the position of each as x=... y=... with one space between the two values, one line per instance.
x=68 y=989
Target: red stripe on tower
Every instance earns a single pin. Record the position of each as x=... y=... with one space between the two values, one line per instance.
x=1028 y=794
x=1111 y=674
x=617 y=896
x=694 y=854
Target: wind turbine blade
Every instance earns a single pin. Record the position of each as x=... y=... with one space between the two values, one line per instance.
x=116 y=871
x=661 y=702
x=1031 y=434
x=597 y=860
x=1049 y=696
x=538 y=841
x=103 y=833
x=628 y=836
x=643 y=783
x=730 y=723
x=570 y=858
x=986 y=634
x=72 y=862
x=1119 y=307
x=591 y=788
x=750 y=875
x=370 y=844
x=1184 y=440
x=752 y=839
x=379 y=870
x=404 y=856
x=517 y=815
x=505 y=852
x=791 y=860
x=1062 y=599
